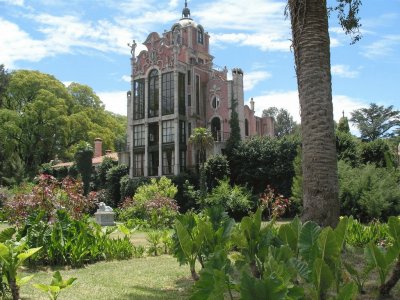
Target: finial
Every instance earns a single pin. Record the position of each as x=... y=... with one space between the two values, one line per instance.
x=186 y=11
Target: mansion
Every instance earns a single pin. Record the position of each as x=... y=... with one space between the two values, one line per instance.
x=175 y=88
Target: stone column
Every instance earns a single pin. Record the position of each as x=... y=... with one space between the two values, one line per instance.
x=176 y=121
x=160 y=124
x=146 y=127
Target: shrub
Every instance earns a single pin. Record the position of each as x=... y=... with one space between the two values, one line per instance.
x=49 y=195
x=377 y=152
x=236 y=200
x=162 y=187
x=130 y=185
x=101 y=172
x=186 y=197
x=113 y=185
x=368 y=192
x=216 y=168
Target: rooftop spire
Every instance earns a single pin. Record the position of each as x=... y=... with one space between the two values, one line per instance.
x=186 y=12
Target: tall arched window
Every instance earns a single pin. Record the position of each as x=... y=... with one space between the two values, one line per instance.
x=246 y=127
x=153 y=93
x=216 y=129
x=200 y=35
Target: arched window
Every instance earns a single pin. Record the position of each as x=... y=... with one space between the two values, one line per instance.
x=215 y=102
x=216 y=129
x=153 y=93
x=246 y=127
x=200 y=35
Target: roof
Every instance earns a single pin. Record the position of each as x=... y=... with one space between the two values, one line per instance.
x=95 y=160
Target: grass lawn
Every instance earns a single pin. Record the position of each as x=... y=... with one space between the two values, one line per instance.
x=139 y=278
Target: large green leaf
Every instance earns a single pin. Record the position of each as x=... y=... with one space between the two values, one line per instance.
x=28 y=253
x=265 y=289
x=184 y=239
x=394 y=230
x=341 y=230
x=288 y=236
x=376 y=258
x=210 y=286
x=328 y=247
x=322 y=276
x=7 y=234
x=308 y=237
x=348 y=292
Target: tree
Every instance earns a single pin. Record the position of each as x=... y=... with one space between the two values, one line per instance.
x=235 y=137
x=343 y=125
x=202 y=140
x=311 y=46
x=375 y=121
x=83 y=159
x=284 y=123
x=4 y=80
x=84 y=96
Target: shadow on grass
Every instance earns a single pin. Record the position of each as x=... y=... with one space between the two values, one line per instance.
x=180 y=291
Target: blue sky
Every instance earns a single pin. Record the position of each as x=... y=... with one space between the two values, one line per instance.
x=86 y=42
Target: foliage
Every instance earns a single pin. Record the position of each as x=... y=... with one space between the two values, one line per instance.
x=72 y=242
x=216 y=168
x=348 y=148
x=154 y=239
x=130 y=185
x=235 y=136
x=101 y=172
x=202 y=140
x=83 y=159
x=12 y=255
x=158 y=213
x=343 y=125
x=297 y=185
x=49 y=195
x=263 y=160
x=284 y=123
x=41 y=119
x=236 y=200
x=375 y=121
x=162 y=187
x=187 y=195
x=275 y=204
x=359 y=235
x=56 y=285
x=113 y=177
x=377 y=152
x=368 y=192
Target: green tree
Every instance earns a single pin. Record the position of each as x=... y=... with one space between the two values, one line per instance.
x=235 y=137
x=84 y=97
x=83 y=159
x=343 y=125
x=216 y=168
x=375 y=121
x=4 y=80
x=311 y=47
x=348 y=148
x=284 y=123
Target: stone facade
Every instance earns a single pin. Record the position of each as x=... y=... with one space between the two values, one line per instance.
x=176 y=88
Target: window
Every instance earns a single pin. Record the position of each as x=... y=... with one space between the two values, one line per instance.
x=167 y=99
x=153 y=134
x=215 y=102
x=153 y=93
x=216 y=129
x=189 y=129
x=197 y=94
x=138 y=136
x=201 y=61
x=181 y=94
x=200 y=35
x=189 y=100
x=153 y=163
x=168 y=131
x=182 y=160
x=246 y=127
x=138 y=99
x=168 y=161
x=182 y=132
x=189 y=79
x=138 y=164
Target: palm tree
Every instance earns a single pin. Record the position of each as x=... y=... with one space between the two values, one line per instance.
x=311 y=45
x=202 y=140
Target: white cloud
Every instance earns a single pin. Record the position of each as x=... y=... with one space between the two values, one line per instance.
x=126 y=78
x=343 y=71
x=114 y=101
x=289 y=100
x=382 y=47
x=67 y=83
x=13 y=2
x=251 y=79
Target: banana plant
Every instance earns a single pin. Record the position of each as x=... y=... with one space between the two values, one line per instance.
x=57 y=284
x=12 y=255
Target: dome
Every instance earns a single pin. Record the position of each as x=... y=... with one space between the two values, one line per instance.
x=187 y=22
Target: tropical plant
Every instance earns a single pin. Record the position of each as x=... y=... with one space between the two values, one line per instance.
x=155 y=239
x=56 y=285
x=12 y=255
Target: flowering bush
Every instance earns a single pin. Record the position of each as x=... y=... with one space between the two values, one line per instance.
x=49 y=195
x=159 y=211
x=275 y=204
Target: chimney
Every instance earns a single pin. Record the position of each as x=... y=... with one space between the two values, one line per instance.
x=98 y=151
x=252 y=104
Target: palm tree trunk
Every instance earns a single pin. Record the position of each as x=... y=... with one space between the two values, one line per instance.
x=311 y=47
